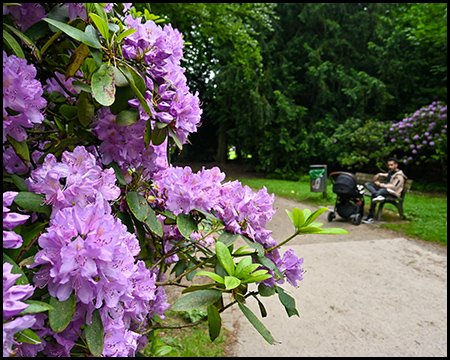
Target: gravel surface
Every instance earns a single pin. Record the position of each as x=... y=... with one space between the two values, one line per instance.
x=368 y=293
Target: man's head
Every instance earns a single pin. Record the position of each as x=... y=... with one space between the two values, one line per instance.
x=393 y=164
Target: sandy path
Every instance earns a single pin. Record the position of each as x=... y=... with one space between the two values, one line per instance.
x=369 y=293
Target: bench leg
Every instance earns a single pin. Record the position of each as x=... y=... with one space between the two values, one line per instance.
x=380 y=210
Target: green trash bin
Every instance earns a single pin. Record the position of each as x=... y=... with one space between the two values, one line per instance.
x=318 y=175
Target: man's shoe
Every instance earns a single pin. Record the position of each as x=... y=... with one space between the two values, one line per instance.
x=378 y=199
x=368 y=221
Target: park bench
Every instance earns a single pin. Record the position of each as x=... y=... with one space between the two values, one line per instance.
x=362 y=178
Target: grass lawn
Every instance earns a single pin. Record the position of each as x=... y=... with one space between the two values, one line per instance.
x=426 y=214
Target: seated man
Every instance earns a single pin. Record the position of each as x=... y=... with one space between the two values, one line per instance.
x=392 y=187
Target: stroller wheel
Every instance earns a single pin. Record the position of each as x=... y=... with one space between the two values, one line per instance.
x=331 y=216
x=358 y=219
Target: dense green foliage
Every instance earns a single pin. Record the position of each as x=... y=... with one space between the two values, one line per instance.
x=278 y=81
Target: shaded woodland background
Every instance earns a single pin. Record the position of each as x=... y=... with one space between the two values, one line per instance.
x=279 y=82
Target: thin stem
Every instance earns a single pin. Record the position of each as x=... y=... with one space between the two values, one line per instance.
x=283 y=242
x=48 y=43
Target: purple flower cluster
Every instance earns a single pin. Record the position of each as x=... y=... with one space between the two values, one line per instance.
x=11 y=240
x=242 y=210
x=13 y=296
x=161 y=50
x=22 y=93
x=25 y=14
x=125 y=144
x=85 y=181
x=421 y=132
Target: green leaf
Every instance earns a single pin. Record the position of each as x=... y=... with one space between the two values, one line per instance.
x=290 y=215
x=19 y=182
x=119 y=176
x=85 y=109
x=299 y=218
x=228 y=238
x=262 y=308
x=32 y=201
x=75 y=33
x=69 y=112
x=306 y=213
x=242 y=266
x=103 y=85
x=186 y=225
x=258 y=325
x=176 y=139
x=61 y=316
x=288 y=302
x=127 y=117
x=214 y=322
x=138 y=205
x=22 y=280
x=314 y=216
x=28 y=336
x=224 y=257
x=257 y=246
x=242 y=251
x=196 y=300
x=13 y=44
x=212 y=275
x=333 y=231
x=21 y=149
x=125 y=34
x=126 y=220
x=310 y=230
x=197 y=287
x=136 y=90
x=159 y=135
x=270 y=265
x=34 y=307
x=121 y=80
x=257 y=277
x=76 y=60
x=231 y=282
x=153 y=223
x=26 y=41
x=265 y=290
x=101 y=25
x=95 y=334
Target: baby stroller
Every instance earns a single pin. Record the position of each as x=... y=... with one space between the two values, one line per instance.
x=350 y=197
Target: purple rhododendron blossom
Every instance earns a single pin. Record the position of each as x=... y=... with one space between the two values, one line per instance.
x=21 y=93
x=25 y=14
x=11 y=240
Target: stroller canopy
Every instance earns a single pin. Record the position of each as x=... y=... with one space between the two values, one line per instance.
x=345 y=185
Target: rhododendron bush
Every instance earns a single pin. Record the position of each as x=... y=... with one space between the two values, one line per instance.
x=97 y=222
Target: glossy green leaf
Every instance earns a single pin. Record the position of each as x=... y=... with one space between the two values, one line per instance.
x=13 y=44
x=186 y=225
x=32 y=201
x=103 y=85
x=19 y=182
x=76 y=60
x=125 y=33
x=95 y=334
x=148 y=134
x=75 y=33
x=257 y=277
x=61 y=316
x=85 y=109
x=196 y=300
x=28 y=336
x=175 y=138
x=214 y=322
x=310 y=230
x=262 y=308
x=265 y=290
x=123 y=95
x=153 y=223
x=68 y=111
x=35 y=306
x=159 y=135
x=333 y=231
x=101 y=25
x=291 y=216
x=126 y=220
x=257 y=246
x=121 y=80
x=288 y=302
x=138 y=205
x=228 y=238
x=258 y=325
x=224 y=257
x=243 y=267
x=26 y=41
x=127 y=117
x=129 y=76
x=119 y=176
x=231 y=282
x=270 y=265
x=212 y=275
x=299 y=218
x=314 y=216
